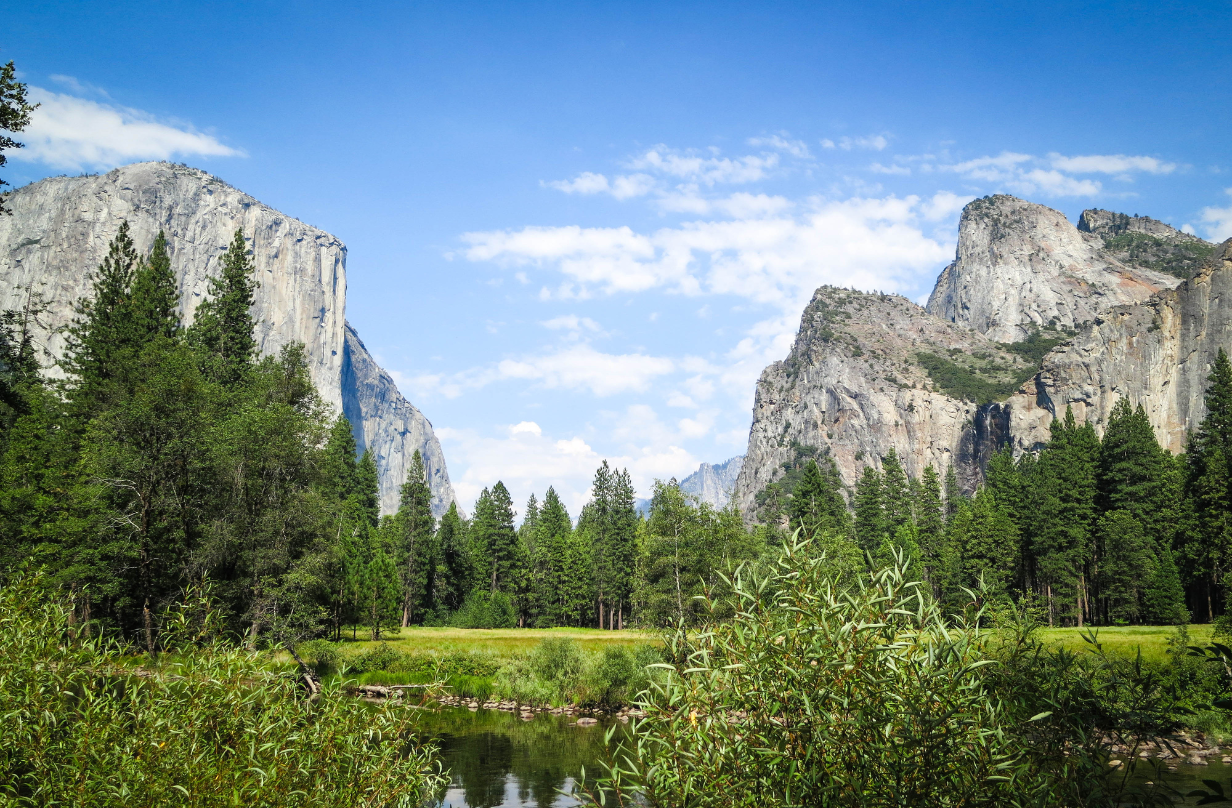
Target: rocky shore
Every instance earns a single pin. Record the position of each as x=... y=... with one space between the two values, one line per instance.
x=585 y=716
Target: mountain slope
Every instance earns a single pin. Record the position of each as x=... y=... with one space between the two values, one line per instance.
x=60 y=230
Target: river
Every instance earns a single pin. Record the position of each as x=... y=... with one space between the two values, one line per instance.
x=497 y=759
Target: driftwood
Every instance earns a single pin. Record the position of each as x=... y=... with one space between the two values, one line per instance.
x=311 y=684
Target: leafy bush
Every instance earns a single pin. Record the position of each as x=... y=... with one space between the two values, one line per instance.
x=206 y=724
x=485 y=610
x=957 y=381
x=322 y=655
x=826 y=693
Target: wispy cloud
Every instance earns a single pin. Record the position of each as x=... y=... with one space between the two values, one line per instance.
x=871 y=142
x=71 y=133
x=1217 y=222
x=1053 y=175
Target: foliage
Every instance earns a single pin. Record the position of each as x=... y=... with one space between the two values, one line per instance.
x=207 y=725
x=818 y=693
x=14 y=115
x=964 y=383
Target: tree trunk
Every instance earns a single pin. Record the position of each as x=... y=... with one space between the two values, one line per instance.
x=1048 y=590
x=620 y=611
x=600 y=612
x=149 y=630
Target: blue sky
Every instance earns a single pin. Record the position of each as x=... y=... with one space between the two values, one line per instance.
x=579 y=231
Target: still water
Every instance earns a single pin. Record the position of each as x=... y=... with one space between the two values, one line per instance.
x=497 y=759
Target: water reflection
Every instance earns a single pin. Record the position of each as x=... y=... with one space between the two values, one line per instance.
x=497 y=759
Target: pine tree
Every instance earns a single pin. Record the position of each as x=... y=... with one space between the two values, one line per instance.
x=155 y=295
x=101 y=337
x=817 y=504
x=953 y=492
x=1163 y=601
x=339 y=470
x=383 y=598
x=1132 y=467
x=870 y=521
x=499 y=540
x=895 y=493
x=989 y=548
x=367 y=495
x=453 y=561
x=930 y=527
x=1064 y=515
x=14 y=115
x=223 y=328
x=555 y=531
x=1207 y=551
x=416 y=527
x=1127 y=566
x=622 y=547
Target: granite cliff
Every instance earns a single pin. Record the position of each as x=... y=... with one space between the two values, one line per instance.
x=60 y=230
x=1033 y=315
x=1022 y=266
x=713 y=484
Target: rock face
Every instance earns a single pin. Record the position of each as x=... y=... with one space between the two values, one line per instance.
x=1145 y=242
x=390 y=426
x=60 y=230
x=868 y=373
x=714 y=484
x=1022 y=266
x=1157 y=354
x=854 y=386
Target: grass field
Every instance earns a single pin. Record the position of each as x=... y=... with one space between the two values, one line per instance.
x=499 y=641
x=1127 y=640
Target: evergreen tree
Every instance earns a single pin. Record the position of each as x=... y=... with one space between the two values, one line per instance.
x=383 y=598
x=223 y=328
x=452 y=578
x=1207 y=550
x=1132 y=467
x=101 y=338
x=555 y=550
x=989 y=546
x=870 y=520
x=14 y=115
x=500 y=541
x=155 y=295
x=817 y=503
x=895 y=493
x=1128 y=566
x=1064 y=519
x=1164 y=598
x=416 y=527
x=953 y=492
x=339 y=470
x=930 y=527
x=367 y=496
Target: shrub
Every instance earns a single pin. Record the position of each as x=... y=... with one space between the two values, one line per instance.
x=820 y=692
x=207 y=724
x=485 y=610
x=322 y=655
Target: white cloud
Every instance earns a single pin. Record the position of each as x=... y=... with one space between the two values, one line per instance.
x=1054 y=183
x=1217 y=222
x=571 y=322
x=872 y=142
x=878 y=168
x=581 y=367
x=705 y=168
x=584 y=183
x=72 y=133
x=943 y=205
x=1110 y=164
x=1052 y=175
x=869 y=243
x=796 y=148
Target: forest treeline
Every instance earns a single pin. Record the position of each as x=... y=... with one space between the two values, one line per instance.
x=168 y=457
x=1089 y=530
